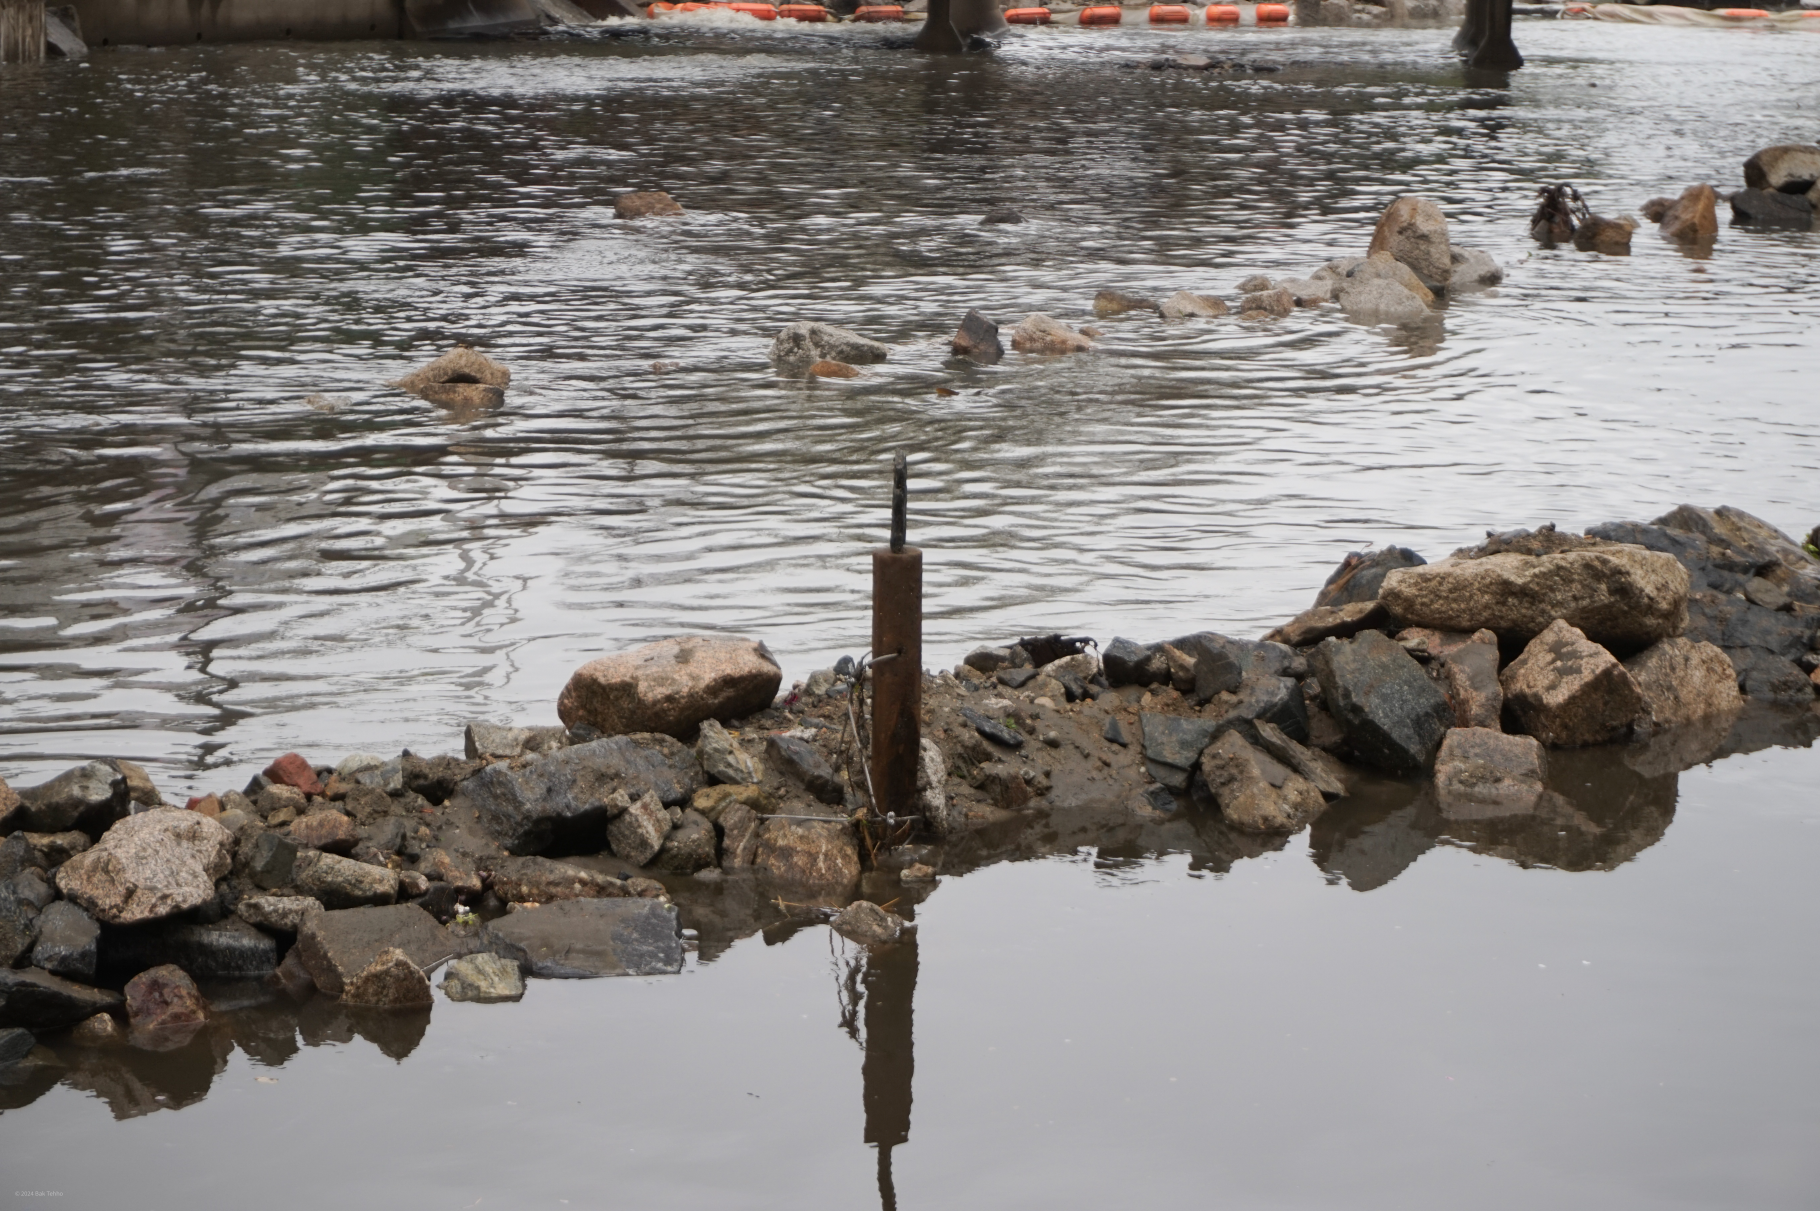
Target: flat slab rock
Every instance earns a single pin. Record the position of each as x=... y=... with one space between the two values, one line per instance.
x=230 y=949
x=584 y=939
x=38 y=1000
x=1618 y=595
x=336 y=946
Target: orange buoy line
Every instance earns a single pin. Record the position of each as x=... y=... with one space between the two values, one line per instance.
x=1272 y=14
x=764 y=12
x=1102 y=14
x=1169 y=14
x=880 y=12
x=1027 y=16
x=802 y=12
x=1222 y=14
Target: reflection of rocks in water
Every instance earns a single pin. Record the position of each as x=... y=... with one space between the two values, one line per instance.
x=1376 y=833
x=134 y=1082
x=396 y=1032
x=1597 y=814
x=1764 y=725
x=1671 y=751
x=26 y=1080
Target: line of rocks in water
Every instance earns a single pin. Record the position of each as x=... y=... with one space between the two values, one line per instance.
x=685 y=802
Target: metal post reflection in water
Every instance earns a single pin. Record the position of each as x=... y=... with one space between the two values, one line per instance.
x=890 y=1062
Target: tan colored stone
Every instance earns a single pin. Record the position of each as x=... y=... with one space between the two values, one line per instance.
x=1274 y=303
x=1184 y=305
x=1682 y=681
x=1039 y=333
x=139 y=784
x=1479 y=767
x=459 y=365
x=712 y=801
x=1567 y=691
x=1783 y=165
x=1255 y=791
x=1617 y=594
x=390 y=981
x=329 y=831
x=99 y=1031
x=148 y=866
x=1693 y=218
x=1469 y=674
x=9 y=805
x=828 y=369
x=646 y=204
x=1608 y=236
x=671 y=686
x=544 y=880
x=1414 y=231
x=637 y=832
x=814 y=855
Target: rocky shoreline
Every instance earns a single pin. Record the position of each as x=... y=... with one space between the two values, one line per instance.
x=1534 y=696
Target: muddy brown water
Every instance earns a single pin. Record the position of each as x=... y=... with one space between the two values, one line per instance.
x=199 y=569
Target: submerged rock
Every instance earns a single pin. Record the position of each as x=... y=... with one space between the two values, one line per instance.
x=977 y=338
x=866 y=923
x=1038 y=333
x=1770 y=208
x=1117 y=302
x=1484 y=768
x=646 y=204
x=1414 y=231
x=1183 y=305
x=483 y=977
x=1378 y=301
x=1568 y=691
x=1692 y=218
x=813 y=855
x=1619 y=595
x=1608 y=236
x=1473 y=269
x=583 y=939
x=671 y=686
x=149 y=866
x=801 y=345
x=462 y=377
x=1785 y=168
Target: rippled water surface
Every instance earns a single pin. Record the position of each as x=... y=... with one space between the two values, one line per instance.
x=198 y=240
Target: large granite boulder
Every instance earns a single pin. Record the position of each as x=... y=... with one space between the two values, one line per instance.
x=1682 y=681
x=561 y=803
x=582 y=939
x=671 y=686
x=390 y=981
x=1567 y=691
x=89 y=797
x=1255 y=791
x=38 y=1000
x=1480 y=771
x=336 y=946
x=149 y=866
x=1621 y=596
x=813 y=855
x=1393 y=714
x=1414 y=231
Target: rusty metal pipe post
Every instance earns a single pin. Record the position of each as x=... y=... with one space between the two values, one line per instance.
x=897 y=655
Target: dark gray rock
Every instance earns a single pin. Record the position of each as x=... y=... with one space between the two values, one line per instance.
x=582 y=939
x=226 y=950
x=1126 y=662
x=334 y=947
x=689 y=847
x=1216 y=668
x=67 y=941
x=1317 y=767
x=1361 y=574
x=1172 y=746
x=1275 y=700
x=1772 y=208
x=1394 y=716
x=1767 y=677
x=1016 y=679
x=17 y=927
x=435 y=778
x=266 y=858
x=1158 y=799
x=797 y=760
x=89 y=797
x=558 y=803
x=1114 y=732
x=992 y=729
x=978 y=339
x=990 y=660
x=38 y=1000
x=16 y=854
x=31 y=886
x=15 y=1044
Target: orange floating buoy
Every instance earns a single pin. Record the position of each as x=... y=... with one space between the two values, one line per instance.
x=1222 y=14
x=1027 y=16
x=1102 y=14
x=879 y=12
x=661 y=6
x=802 y=12
x=1272 y=14
x=764 y=12
x=1169 y=14
x=1742 y=14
